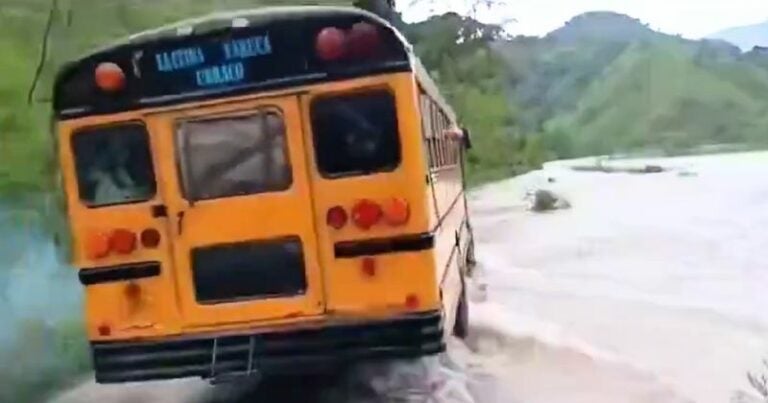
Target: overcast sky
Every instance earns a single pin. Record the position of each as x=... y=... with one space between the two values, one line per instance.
x=691 y=18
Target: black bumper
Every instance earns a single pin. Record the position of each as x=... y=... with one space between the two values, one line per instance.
x=276 y=352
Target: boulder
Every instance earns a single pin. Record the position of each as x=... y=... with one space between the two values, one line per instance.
x=545 y=200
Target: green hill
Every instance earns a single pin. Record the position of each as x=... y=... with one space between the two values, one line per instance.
x=606 y=83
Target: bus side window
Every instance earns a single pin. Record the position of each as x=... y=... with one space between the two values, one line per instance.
x=114 y=165
x=424 y=107
x=443 y=139
x=438 y=138
x=426 y=116
x=355 y=134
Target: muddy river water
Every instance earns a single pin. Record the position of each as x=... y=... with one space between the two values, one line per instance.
x=650 y=288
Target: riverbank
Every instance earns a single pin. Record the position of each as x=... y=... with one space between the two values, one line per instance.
x=662 y=272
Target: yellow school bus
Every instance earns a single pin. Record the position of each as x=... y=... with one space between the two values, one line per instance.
x=262 y=192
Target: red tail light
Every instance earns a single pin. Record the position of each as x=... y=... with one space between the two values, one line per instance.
x=150 y=238
x=396 y=211
x=331 y=44
x=336 y=217
x=366 y=214
x=97 y=245
x=363 y=40
x=109 y=77
x=122 y=241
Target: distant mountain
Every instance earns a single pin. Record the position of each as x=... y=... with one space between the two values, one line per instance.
x=603 y=26
x=609 y=83
x=746 y=37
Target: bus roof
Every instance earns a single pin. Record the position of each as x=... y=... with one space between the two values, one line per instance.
x=219 y=21
x=224 y=19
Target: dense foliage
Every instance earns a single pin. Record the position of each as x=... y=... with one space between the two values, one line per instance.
x=602 y=84
x=605 y=83
x=471 y=75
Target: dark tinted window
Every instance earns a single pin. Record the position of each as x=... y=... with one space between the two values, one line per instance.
x=114 y=165
x=356 y=133
x=234 y=156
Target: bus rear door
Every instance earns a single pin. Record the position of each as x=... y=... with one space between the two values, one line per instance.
x=239 y=212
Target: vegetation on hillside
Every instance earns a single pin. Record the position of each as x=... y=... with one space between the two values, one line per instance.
x=459 y=54
x=606 y=83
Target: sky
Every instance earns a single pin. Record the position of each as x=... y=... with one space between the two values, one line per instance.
x=690 y=18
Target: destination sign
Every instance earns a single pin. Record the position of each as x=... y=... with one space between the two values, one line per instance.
x=215 y=64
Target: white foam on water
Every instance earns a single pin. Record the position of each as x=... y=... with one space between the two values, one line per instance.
x=667 y=272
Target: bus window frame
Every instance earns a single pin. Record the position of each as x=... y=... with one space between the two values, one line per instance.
x=115 y=123
x=182 y=157
x=383 y=87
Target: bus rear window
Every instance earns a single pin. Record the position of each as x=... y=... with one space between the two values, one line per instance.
x=356 y=134
x=234 y=156
x=114 y=165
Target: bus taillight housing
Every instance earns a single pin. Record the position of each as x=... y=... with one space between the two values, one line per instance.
x=396 y=211
x=331 y=44
x=119 y=241
x=336 y=217
x=109 y=77
x=364 y=40
x=366 y=213
x=361 y=41
x=122 y=241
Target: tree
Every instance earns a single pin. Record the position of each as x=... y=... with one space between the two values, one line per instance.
x=475 y=6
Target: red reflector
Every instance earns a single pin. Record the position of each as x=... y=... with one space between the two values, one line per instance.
x=336 y=217
x=363 y=41
x=366 y=214
x=412 y=301
x=331 y=44
x=104 y=330
x=122 y=241
x=369 y=266
x=109 y=77
x=150 y=238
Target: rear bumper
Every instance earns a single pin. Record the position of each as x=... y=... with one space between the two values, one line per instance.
x=288 y=351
